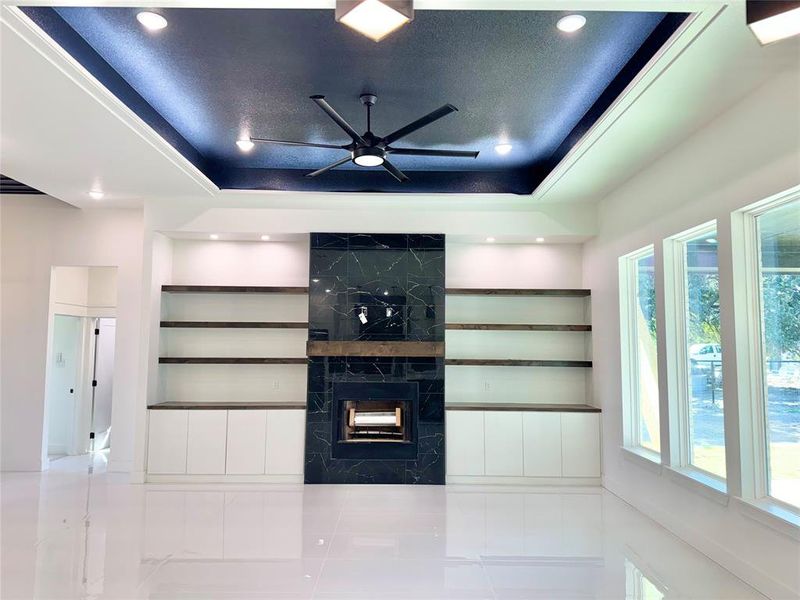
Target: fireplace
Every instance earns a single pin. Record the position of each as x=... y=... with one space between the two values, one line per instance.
x=375 y=420
x=376 y=359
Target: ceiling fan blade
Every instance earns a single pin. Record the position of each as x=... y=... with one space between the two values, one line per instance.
x=396 y=173
x=323 y=104
x=289 y=143
x=419 y=123
x=328 y=168
x=430 y=152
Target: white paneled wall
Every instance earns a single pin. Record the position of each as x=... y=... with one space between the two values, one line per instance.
x=544 y=385
x=232 y=383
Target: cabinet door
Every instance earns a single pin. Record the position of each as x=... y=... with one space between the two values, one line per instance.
x=464 y=442
x=503 y=439
x=247 y=439
x=580 y=444
x=205 y=450
x=166 y=443
x=286 y=435
x=541 y=433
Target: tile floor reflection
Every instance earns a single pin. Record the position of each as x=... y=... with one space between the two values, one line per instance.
x=70 y=534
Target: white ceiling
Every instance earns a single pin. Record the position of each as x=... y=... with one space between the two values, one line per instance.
x=62 y=133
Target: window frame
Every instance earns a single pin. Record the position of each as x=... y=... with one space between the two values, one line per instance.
x=750 y=355
x=677 y=356
x=628 y=290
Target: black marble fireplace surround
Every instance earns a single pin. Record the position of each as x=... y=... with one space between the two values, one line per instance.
x=397 y=281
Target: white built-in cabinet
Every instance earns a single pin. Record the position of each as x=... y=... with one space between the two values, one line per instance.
x=226 y=443
x=522 y=444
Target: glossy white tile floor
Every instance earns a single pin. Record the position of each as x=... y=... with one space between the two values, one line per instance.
x=66 y=534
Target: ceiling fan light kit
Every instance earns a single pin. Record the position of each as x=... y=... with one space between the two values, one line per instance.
x=374 y=18
x=369 y=150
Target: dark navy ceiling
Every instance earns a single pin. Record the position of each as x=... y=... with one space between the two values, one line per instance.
x=215 y=75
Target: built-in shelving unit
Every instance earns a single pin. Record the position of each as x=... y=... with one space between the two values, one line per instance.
x=517 y=407
x=563 y=293
x=231 y=360
x=232 y=347
x=234 y=324
x=525 y=348
x=233 y=289
x=515 y=327
x=511 y=362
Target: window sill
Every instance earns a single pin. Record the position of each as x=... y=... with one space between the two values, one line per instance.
x=697 y=481
x=771 y=514
x=644 y=458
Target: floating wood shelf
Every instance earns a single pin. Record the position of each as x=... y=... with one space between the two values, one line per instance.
x=575 y=293
x=196 y=360
x=374 y=348
x=515 y=327
x=528 y=407
x=504 y=362
x=232 y=289
x=234 y=324
x=227 y=406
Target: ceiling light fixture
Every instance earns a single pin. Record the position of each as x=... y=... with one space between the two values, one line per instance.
x=374 y=18
x=571 y=23
x=368 y=157
x=245 y=145
x=151 y=21
x=773 y=20
x=490 y=240
x=96 y=194
x=213 y=236
x=503 y=148
x=711 y=240
x=540 y=240
x=265 y=238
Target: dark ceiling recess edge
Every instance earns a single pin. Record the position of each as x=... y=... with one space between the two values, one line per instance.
x=520 y=181
x=66 y=37
x=668 y=25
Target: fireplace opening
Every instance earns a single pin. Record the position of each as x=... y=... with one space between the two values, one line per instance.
x=375 y=421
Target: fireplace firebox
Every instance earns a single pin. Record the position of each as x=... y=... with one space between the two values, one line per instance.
x=375 y=420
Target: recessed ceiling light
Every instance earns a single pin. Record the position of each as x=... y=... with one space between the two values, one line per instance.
x=213 y=236
x=373 y=18
x=151 y=21
x=315 y=280
x=96 y=194
x=386 y=293
x=773 y=21
x=503 y=148
x=245 y=145
x=264 y=238
x=571 y=23
x=490 y=239
x=539 y=240
x=328 y=291
x=711 y=240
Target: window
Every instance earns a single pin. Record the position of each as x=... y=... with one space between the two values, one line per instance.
x=640 y=587
x=640 y=369
x=778 y=240
x=695 y=351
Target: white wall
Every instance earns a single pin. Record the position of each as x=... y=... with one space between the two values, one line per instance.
x=748 y=153
x=38 y=233
x=514 y=265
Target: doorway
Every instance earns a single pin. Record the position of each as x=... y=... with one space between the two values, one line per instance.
x=80 y=368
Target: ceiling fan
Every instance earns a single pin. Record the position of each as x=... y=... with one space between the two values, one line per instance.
x=369 y=150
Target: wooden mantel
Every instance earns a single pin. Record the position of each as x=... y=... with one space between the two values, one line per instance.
x=374 y=348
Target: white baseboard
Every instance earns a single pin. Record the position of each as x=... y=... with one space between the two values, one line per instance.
x=152 y=478
x=514 y=480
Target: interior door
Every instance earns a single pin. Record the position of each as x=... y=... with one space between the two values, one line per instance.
x=62 y=388
x=104 y=373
